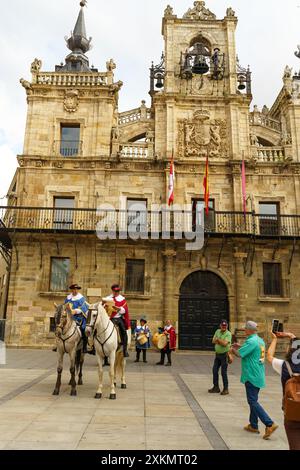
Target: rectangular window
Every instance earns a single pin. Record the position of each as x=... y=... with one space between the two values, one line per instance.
x=209 y=220
x=70 y=140
x=63 y=213
x=272 y=281
x=137 y=215
x=269 y=213
x=59 y=275
x=135 y=276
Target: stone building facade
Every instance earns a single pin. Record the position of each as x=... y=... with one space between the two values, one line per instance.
x=80 y=152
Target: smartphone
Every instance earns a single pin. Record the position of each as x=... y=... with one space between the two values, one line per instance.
x=275 y=326
x=280 y=328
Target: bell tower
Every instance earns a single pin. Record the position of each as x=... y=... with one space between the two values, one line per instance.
x=204 y=101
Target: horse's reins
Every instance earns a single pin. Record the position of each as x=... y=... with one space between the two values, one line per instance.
x=66 y=339
x=95 y=333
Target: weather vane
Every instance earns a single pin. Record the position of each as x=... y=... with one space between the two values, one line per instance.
x=83 y=3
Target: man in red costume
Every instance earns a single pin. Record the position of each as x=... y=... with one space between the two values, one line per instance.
x=121 y=316
x=170 y=332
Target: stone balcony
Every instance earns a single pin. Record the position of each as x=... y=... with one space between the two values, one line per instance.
x=137 y=150
x=260 y=119
x=95 y=79
x=135 y=115
x=271 y=154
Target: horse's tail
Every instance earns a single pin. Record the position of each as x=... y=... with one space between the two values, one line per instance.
x=77 y=359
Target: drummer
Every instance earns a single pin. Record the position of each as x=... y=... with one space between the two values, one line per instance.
x=141 y=333
x=170 y=333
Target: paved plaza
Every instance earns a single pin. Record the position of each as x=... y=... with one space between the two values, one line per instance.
x=163 y=408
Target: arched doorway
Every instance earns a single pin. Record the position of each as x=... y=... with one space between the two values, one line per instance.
x=203 y=304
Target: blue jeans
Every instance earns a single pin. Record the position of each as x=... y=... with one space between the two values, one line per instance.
x=256 y=410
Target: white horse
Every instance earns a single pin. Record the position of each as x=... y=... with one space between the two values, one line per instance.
x=68 y=341
x=106 y=342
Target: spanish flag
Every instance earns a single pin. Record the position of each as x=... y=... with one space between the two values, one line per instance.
x=206 y=188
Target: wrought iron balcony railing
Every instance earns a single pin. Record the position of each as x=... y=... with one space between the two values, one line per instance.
x=220 y=223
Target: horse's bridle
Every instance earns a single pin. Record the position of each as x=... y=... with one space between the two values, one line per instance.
x=64 y=340
x=95 y=331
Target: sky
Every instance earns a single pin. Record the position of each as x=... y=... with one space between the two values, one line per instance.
x=129 y=31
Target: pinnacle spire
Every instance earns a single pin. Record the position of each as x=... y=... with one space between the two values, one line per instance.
x=80 y=29
x=79 y=45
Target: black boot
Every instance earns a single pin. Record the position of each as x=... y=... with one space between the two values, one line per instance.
x=84 y=344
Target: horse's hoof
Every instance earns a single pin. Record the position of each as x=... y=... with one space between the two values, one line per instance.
x=70 y=383
x=115 y=384
x=123 y=386
x=73 y=393
x=56 y=392
x=112 y=396
x=98 y=396
x=80 y=382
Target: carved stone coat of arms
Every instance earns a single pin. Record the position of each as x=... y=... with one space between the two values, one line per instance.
x=202 y=137
x=71 y=101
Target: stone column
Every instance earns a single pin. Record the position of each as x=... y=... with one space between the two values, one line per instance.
x=168 y=294
x=240 y=301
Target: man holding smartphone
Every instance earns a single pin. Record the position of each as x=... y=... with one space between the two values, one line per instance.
x=252 y=353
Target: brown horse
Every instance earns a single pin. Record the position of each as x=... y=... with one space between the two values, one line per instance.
x=68 y=341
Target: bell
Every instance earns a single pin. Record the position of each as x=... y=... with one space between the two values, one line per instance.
x=159 y=81
x=242 y=85
x=200 y=66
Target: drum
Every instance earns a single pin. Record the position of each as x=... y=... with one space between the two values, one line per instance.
x=159 y=341
x=142 y=339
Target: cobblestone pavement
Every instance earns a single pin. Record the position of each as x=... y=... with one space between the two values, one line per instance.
x=163 y=408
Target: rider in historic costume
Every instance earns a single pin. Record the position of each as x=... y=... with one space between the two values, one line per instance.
x=80 y=309
x=142 y=329
x=170 y=332
x=121 y=315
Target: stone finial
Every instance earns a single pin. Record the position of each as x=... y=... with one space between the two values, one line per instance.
x=288 y=71
x=168 y=11
x=110 y=65
x=36 y=66
x=297 y=53
x=230 y=12
x=83 y=3
x=199 y=12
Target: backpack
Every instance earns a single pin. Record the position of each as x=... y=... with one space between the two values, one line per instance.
x=291 y=398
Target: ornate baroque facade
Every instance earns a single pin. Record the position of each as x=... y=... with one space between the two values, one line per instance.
x=80 y=152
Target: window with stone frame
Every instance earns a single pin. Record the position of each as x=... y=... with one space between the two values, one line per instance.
x=59 y=274
x=63 y=212
x=209 y=219
x=70 y=140
x=269 y=218
x=272 y=280
x=135 y=276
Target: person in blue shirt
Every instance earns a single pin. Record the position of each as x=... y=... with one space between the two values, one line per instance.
x=80 y=309
x=252 y=353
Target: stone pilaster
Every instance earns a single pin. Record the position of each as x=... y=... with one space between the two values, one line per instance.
x=168 y=295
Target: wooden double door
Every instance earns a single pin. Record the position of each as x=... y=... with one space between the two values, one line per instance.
x=203 y=304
